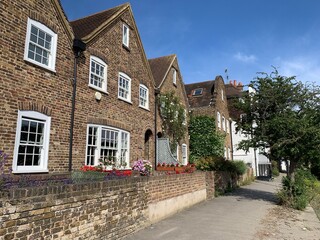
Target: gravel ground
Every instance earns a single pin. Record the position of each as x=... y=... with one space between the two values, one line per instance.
x=288 y=224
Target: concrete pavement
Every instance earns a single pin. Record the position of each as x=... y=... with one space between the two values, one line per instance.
x=235 y=216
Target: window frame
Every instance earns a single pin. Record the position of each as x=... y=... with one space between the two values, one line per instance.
x=219 y=120
x=223 y=120
x=222 y=95
x=125 y=77
x=51 y=53
x=43 y=166
x=98 y=144
x=195 y=92
x=125 y=30
x=105 y=72
x=144 y=87
x=184 y=155
x=174 y=77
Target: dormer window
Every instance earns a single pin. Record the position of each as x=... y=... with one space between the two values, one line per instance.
x=125 y=35
x=174 y=76
x=197 y=92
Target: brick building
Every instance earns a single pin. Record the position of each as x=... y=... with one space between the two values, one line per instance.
x=114 y=113
x=36 y=68
x=168 y=78
x=209 y=98
x=115 y=100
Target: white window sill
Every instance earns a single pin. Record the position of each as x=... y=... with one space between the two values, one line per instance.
x=40 y=65
x=125 y=100
x=30 y=171
x=98 y=89
x=144 y=108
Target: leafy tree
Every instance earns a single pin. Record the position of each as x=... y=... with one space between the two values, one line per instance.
x=205 y=141
x=282 y=116
x=173 y=114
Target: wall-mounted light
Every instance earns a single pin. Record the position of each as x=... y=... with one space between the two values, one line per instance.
x=98 y=96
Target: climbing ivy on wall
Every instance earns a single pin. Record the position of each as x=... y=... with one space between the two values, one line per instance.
x=205 y=141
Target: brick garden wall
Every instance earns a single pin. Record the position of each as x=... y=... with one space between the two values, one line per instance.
x=99 y=210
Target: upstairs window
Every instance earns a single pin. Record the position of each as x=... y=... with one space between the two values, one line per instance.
x=222 y=95
x=124 y=87
x=197 y=92
x=218 y=120
x=223 y=123
x=143 y=96
x=32 y=142
x=98 y=74
x=174 y=76
x=228 y=126
x=125 y=35
x=40 y=45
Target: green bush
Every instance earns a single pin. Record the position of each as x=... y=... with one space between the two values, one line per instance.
x=220 y=164
x=275 y=168
x=298 y=192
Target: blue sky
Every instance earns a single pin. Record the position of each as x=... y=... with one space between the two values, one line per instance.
x=209 y=36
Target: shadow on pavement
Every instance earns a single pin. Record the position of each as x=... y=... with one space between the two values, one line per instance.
x=254 y=194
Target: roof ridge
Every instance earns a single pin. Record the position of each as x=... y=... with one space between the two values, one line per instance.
x=200 y=82
x=103 y=11
x=167 y=56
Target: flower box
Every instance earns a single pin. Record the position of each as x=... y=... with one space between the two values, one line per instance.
x=180 y=169
x=165 y=168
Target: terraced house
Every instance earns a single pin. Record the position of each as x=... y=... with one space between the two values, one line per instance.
x=88 y=78
x=209 y=98
x=115 y=100
x=36 y=69
x=168 y=80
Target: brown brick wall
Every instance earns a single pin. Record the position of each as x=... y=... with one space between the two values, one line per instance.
x=100 y=210
x=110 y=110
x=179 y=91
x=25 y=86
x=222 y=107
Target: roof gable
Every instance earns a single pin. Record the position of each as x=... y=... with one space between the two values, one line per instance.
x=88 y=27
x=160 y=68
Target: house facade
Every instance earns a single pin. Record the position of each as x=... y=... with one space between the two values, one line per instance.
x=209 y=98
x=252 y=157
x=36 y=68
x=168 y=80
x=115 y=113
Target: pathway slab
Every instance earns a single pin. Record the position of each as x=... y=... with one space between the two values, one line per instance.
x=234 y=216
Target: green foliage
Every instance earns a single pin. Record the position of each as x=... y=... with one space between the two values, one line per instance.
x=204 y=140
x=174 y=116
x=275 y=168
x=298 y=192
x=282 y=115
x=220 y=164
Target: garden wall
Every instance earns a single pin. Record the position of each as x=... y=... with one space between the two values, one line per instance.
x=225 y=181
x=99 y=210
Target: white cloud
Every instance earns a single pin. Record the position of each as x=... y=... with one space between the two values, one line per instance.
x=305 y=69
x=245 y=58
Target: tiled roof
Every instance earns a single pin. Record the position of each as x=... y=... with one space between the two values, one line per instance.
x=159 y=67
x=84 y=26
x=203 y=100
x=232 y=91
x=233 y=94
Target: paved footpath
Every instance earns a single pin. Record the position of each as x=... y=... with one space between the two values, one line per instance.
x=238 y=215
